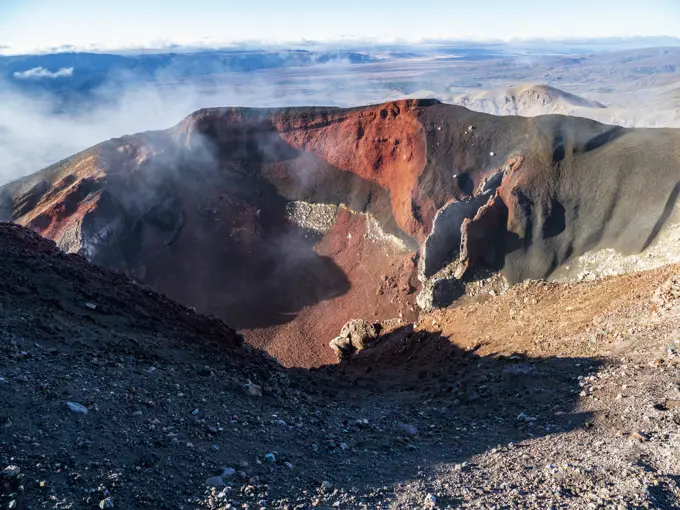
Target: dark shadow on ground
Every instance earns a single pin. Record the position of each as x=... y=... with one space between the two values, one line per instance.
x=430 y=402
x=239 y=257
x=216 y=234
x=663 y=217
x=165 y=389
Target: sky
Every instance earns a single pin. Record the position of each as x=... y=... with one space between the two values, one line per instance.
x=40 y=25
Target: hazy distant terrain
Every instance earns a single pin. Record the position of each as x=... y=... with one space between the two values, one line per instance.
x=54 y=105
x=661 y=108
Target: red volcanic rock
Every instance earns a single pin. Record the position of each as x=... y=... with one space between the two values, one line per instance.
x=385 y=144
x=287 y=223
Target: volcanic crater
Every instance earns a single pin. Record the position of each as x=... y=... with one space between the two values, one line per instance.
x=287 y=223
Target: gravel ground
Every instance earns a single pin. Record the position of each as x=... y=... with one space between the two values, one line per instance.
x=542 y=396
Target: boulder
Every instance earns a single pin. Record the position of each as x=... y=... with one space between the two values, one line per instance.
x=355 y=335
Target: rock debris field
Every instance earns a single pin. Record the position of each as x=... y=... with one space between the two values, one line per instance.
x=545 y=395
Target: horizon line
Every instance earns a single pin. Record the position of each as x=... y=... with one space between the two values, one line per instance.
x=346 y=43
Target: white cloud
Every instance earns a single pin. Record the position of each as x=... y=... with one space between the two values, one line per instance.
x=37 y=130
x=38 y=73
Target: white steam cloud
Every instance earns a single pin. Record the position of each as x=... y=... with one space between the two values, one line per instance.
x=38 y=73
x=33 y=136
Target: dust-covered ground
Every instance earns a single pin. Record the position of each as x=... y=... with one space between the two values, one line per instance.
x=545 y=396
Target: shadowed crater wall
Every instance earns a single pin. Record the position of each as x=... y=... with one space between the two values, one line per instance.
x=411 y=193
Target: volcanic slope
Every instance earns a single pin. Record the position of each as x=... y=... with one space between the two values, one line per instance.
x=651 y=109
x=526 y=100
x=288 y=222
x=550 y=395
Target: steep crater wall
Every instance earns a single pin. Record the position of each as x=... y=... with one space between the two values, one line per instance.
x=289 y=222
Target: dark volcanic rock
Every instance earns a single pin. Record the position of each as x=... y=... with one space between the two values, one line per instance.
x=200 y=211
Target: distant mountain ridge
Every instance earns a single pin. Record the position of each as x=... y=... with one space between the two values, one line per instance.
x=92 y=70
x=526 y=100
x=532 y=100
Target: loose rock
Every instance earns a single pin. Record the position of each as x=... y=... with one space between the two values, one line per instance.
x=355 y=335
x=106 y=503
x=10 y=472
x=430 y=501
x=253 y=389
x=215 y=481
x=76 y=408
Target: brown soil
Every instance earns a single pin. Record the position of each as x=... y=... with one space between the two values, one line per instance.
x=543 y=312
x=382 y=285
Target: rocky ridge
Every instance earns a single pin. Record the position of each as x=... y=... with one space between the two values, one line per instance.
x=316 y=216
